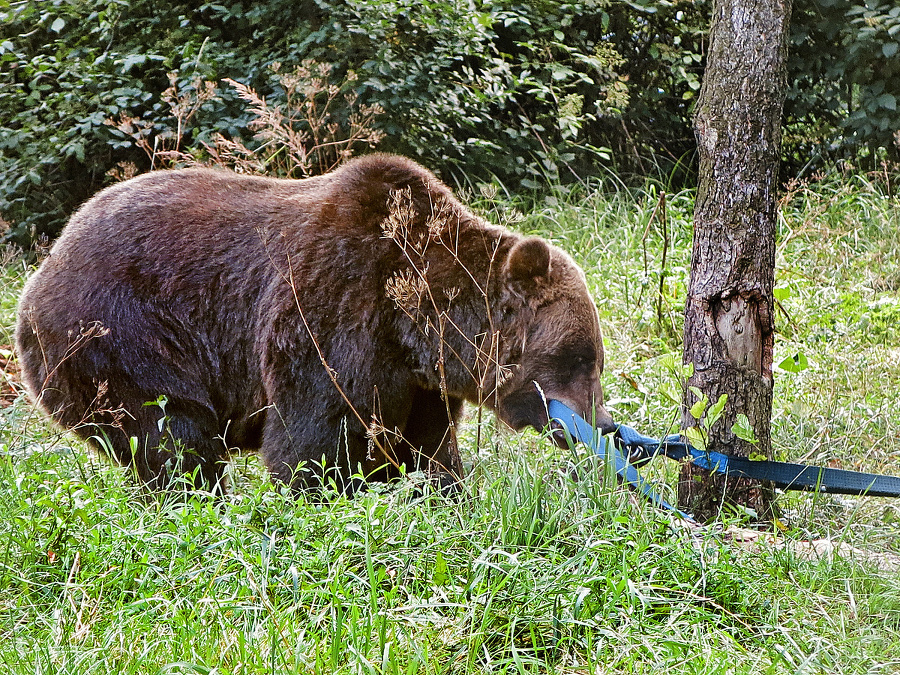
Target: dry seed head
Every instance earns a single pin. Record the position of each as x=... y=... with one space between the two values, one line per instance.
x=400 y=215
x=290 y=81
x=42 y=246
x=504 y=374
x=512 y=216
x=440 y=220
x=123 y=171
x=375 y=428
x=488 y=191
x=406 y=289
x=89 y=331
x=204 y=90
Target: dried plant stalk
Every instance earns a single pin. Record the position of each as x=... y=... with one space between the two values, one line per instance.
x=319 y=126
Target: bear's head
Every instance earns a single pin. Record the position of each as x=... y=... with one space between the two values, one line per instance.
x=558 y=348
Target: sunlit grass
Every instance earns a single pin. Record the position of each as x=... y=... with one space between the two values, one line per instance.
x=542 y=564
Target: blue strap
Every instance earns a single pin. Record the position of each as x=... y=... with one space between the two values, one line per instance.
x=580 y=430
x=783 y=475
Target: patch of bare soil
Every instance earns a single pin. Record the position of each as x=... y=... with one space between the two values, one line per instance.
x=816 y=549
x=811 y=550
x=10 y=384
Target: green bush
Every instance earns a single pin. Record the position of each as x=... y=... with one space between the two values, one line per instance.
x=523 y=92
x=844 y=81
x=67 y=67
x=527 y=92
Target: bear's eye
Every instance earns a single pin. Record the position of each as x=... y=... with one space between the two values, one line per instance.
x=575 y=359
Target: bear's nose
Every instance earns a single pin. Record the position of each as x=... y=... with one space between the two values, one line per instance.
x=558 y=434
x=607 y=426
x=604 y=421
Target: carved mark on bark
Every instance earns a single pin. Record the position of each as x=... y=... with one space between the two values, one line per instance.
x=738 y=324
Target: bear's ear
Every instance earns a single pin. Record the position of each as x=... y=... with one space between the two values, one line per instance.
x=528 y=265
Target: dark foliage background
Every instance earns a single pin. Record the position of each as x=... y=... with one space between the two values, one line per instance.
x=531 y=92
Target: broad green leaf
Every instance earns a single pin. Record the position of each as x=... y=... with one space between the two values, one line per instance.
x=133 y=60
x=743 y=429
x=782 y=294
x=698 y=408
x=667 y=361
x=441 y=574
x=795 y=364
x=696 y=438
x=888 y=101
x=715 y=412
x=669 y=392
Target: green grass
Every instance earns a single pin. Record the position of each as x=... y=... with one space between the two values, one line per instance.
x=543 y=565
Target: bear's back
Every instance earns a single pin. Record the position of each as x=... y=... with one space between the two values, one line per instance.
x=203 y=210
x=185 y=213
x=192 y=239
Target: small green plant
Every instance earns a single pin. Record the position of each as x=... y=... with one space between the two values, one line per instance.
x=705 y=415
x=744 y=430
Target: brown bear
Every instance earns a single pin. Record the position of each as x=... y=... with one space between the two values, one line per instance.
x=336 y=323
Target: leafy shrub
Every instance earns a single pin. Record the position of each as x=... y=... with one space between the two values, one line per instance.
x=548 y=90
x=315 y=128
x=522 y=92
x=844 y=80
x=66 y=68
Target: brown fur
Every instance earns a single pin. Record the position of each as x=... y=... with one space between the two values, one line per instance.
x=208 y=287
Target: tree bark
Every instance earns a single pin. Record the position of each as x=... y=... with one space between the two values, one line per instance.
x=728 y=333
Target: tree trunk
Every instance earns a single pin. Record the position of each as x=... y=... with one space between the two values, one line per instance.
x=728 y=331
